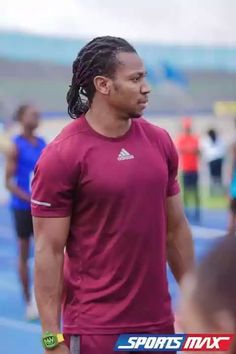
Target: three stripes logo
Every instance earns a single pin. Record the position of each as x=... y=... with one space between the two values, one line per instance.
x=124 y=155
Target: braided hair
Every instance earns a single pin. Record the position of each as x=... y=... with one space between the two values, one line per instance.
x=98 y=57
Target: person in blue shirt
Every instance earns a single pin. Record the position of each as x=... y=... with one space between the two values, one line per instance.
x=22 y=156
x=232 y=192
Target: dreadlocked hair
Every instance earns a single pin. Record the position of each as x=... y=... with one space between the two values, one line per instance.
x=98 y=57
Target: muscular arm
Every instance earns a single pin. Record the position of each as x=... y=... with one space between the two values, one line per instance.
x=11 y=165
x=50 y=239
x=180 y=252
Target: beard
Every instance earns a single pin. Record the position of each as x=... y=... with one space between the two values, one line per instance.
x=128 y=114
x=135 y=115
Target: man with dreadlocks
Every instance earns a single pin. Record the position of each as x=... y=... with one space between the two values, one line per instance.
x=105 y=190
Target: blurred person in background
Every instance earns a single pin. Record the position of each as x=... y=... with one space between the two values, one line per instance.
x=22 y=156
x=119 y=228
x=207 y=303
x=188 y=148
x=214 y=150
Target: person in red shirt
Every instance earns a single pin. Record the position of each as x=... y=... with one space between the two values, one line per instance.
x=188 y=148
x=107 y=211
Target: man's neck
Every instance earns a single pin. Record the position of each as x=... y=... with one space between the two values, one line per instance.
x=107 y=122
x=28 y=134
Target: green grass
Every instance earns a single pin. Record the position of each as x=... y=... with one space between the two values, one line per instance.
x=209 y=202
x=216 y=202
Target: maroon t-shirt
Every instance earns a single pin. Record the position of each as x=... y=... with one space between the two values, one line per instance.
x=115 y=190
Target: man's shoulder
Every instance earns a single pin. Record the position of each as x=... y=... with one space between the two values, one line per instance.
x=71 y=131
x=68 y=136
x=153 y=130
x=65 y=143
x=160 y=137
x=17 y=139
x=41 y=141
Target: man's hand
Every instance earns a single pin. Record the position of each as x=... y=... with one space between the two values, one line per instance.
x=61 y=349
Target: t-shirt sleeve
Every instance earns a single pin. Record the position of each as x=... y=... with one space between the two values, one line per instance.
x=53 y=186
x=173 y=187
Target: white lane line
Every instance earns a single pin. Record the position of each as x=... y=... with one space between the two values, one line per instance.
x=207 y=233
x=20 y=325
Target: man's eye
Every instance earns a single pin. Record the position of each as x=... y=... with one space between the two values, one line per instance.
x=136 y=79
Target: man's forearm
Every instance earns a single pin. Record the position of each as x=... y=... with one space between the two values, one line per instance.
x=180 y=251
x=48 y=286
x=20 y=193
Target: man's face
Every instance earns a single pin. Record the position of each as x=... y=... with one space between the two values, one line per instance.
x=129 y=89
x=30 y=118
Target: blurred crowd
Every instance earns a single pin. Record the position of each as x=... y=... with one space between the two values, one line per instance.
x=198 y=154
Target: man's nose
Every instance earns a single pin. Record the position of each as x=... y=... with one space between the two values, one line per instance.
x=145 y=88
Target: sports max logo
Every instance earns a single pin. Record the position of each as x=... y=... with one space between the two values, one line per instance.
x=177 y=342
x=124 y=155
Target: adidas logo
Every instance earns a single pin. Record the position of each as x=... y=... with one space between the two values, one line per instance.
x=124 y=155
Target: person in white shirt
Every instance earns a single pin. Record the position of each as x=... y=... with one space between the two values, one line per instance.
x=213 y=151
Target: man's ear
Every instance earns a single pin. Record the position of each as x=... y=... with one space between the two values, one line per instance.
x=102 y=84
